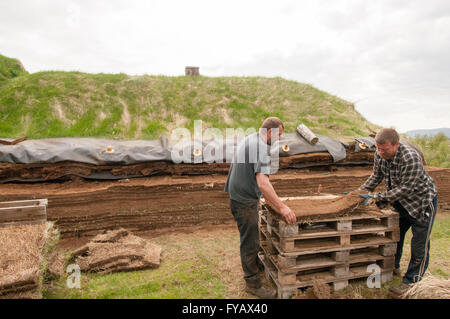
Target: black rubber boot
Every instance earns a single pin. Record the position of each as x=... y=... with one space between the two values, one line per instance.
x=263 y=292
x=398 y=291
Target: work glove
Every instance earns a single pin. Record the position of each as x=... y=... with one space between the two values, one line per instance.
x=368 y=199
x=381 y=204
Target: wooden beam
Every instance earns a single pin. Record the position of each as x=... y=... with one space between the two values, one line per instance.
x=19 y=203
x=23 y=212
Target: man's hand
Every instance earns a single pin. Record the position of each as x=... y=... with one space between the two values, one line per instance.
x=288 y=215
x=272 y=198
x=368 y=199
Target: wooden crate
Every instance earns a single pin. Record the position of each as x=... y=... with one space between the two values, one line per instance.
x=23 y=212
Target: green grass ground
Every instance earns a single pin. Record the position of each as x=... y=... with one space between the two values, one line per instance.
x=206 y=264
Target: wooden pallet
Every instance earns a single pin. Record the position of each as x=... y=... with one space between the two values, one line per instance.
x=24 y=212
x=332 y=249
x=295 y=263
x=338 y=264
x=338 y=281
x=326 y=245
x=357 y=220
x=330 y=235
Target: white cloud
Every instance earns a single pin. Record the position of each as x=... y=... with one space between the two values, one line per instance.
x=391 y=57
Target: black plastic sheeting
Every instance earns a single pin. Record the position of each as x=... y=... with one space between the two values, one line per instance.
x=85 y=150
x=113 y=152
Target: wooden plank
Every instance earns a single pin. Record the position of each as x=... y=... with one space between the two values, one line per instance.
x=21 y=203
x=365 y=257
x=386 y=245
x=320 y=248
x=289 y=244
x=327 y=232
x=286 y=262
x=26 y=222
x=23 y=212
x=358 y=214
x=339 y=268
x=296 y=266
x=19 y=213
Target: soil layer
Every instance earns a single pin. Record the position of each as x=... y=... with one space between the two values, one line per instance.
x=83 y=208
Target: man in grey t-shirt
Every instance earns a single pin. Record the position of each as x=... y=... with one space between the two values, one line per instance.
x=247 y=180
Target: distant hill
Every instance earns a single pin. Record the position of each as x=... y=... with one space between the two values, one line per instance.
x=435 y=131
x=120 y=106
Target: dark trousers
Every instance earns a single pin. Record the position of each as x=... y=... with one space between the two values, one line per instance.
x=420 y=242
x=246 y=216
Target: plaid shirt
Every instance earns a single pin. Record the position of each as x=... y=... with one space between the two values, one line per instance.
x=406 y=181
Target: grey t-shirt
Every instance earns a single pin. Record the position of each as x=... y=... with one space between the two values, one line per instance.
x=252 y=156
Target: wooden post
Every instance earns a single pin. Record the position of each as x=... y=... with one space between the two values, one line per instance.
x=307 y=134
x=343 y=255
x=286 y=262
x=340 y=270
x=388 y=250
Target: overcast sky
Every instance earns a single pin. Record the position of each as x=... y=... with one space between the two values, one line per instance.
x=390 y=57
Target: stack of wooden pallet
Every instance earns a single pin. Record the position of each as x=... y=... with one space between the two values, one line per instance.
x=330 y=249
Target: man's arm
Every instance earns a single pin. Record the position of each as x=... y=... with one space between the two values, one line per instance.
x=377 y=176
x=272 y=198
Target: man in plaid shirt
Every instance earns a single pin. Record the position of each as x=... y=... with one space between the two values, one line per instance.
x=411 y=192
